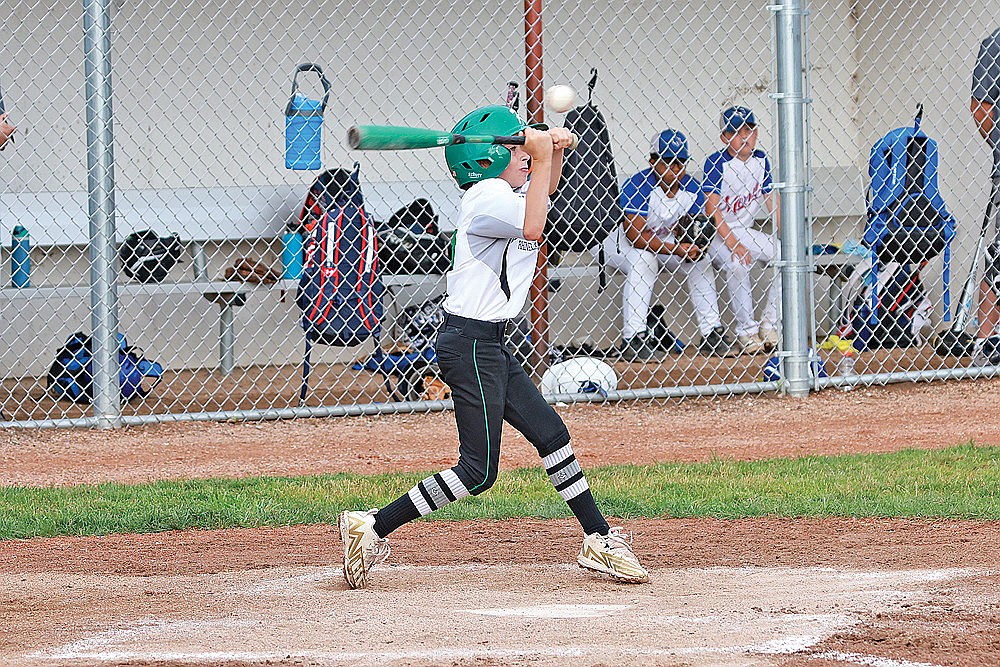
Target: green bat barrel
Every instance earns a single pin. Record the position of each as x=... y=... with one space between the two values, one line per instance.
x=395 y=138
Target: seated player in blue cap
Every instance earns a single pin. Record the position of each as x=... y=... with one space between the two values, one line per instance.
x=655 y=201
x=737 y=184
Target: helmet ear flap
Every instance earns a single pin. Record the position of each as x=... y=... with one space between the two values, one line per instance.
x=463 y=160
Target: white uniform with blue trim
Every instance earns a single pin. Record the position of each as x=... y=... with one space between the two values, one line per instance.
x=742 y=187
x=642 y=195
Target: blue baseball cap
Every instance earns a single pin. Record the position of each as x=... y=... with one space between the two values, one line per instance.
x=670 y=145
x=736 y=117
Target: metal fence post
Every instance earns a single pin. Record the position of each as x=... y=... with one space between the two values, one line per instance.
x=101 y=207
x=791 y=167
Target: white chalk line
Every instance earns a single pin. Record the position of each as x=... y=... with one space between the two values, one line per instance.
x=868 y=660
x=789 y=646
x=554 y=611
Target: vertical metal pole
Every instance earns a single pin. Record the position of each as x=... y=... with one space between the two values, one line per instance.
x=792 y=188
x=101 y=205
x=227 y=343
x=538 y=292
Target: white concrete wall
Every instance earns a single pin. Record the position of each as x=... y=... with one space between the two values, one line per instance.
x=199 y=96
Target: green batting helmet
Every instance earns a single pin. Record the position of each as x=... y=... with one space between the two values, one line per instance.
x=464 y=159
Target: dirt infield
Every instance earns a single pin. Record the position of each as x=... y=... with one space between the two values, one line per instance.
x=888 y=593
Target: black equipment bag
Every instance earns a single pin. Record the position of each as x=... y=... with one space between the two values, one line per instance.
x=411 y=243
x=585 y=208
x=148 y=257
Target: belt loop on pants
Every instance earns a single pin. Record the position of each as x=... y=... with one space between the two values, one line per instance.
x=481 y=329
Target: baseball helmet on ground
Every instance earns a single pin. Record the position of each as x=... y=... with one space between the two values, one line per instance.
x=580 y=375
x=463 y=160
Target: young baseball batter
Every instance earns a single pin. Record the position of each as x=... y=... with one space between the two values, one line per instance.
x=654 y=201
x=737 y=183
x=500 y=225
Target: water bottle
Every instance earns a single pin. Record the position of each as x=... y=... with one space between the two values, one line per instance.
x=20 y=258
x=845 y=367
x=291 y=255
x=304 y=123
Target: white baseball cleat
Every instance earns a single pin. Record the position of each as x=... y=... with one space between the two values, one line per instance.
x=363 y=548
x=769 y=338
x=751 y=344
x=612 y=554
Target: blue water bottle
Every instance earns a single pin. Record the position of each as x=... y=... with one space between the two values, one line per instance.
x=304 y=123
x=291 y=255
x=20 y=258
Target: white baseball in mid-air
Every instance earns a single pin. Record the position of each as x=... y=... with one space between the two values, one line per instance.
x=560 y=98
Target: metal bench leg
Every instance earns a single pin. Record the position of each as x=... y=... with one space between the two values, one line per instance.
x=226 y=340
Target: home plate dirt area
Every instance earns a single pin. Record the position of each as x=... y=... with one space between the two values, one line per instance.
x=775 y=592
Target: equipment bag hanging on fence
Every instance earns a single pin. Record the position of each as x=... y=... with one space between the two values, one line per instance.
x=585 y=208
x=907 y=220
x=340 y=291
x=71 y=375
x=304 y=123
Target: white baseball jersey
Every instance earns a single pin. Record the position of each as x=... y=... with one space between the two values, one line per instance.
x=492 y=263
x=642 y=195
x=740 y=185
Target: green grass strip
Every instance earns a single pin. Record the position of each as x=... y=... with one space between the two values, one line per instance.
x=959 y=482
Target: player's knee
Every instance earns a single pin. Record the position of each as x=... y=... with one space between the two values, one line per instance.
x=475 y=477
x=643 y=263
x=553 y=441
x=489 y=479
x=736 y=269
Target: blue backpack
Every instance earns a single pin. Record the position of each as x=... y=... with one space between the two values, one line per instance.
x=907 y=220
x=71 y=375
x=340 y=290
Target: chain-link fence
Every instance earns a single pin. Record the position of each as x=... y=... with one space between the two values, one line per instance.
x=199 y=97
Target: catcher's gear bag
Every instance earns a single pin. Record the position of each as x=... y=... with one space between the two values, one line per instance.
x=71 y=375
x=148 y=257
x=901 y=312
x=585 y=208
x=340 y=291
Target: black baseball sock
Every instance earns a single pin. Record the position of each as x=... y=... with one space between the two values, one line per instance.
x=431 y=494
x=566 y=475
x=400 y=511
x=585 y=508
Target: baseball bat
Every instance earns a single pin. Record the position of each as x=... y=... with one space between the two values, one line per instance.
x=395 y=138
x=954 y=340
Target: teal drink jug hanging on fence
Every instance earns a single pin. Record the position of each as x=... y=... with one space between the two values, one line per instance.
x=304 y=123
x=20 y=258
x=291 y=255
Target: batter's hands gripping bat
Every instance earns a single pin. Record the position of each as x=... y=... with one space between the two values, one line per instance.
x=393 y=138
